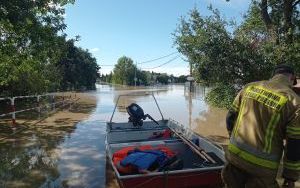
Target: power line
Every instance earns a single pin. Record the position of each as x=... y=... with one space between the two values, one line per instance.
x=107 y=65
x=164 y=63
x=149 y=61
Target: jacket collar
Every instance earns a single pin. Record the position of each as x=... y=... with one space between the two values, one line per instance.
x=282 y=79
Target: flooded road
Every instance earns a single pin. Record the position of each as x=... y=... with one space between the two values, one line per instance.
x=56 y=153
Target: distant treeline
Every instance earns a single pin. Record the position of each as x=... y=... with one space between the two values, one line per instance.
x=148 y=78
x=125 y=72
x=35 y=54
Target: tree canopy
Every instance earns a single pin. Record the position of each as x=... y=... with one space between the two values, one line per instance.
x=272 y=28
x=215 y=55
x=269 y=35
x=124 y=71
x=78 y=68
x=32 y=44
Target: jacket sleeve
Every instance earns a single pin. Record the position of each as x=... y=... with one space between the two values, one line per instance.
x=235 y=106
x=291 y=161
x=230 y=120
x=233 y=112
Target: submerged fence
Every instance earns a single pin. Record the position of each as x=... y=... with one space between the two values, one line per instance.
x=56 y=99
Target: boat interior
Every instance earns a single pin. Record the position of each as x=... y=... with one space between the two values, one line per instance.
x=191 y=161
x=167 y=133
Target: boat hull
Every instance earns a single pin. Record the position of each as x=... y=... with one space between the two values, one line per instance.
x=191 y=176
x=179 y=180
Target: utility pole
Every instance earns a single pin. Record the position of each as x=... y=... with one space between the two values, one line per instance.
x=135 y=74
x=190 y=109
x=192 y=79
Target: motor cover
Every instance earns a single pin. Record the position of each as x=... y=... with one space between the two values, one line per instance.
x=136 y=114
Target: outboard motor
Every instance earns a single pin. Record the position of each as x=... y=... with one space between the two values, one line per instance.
x=136 y=115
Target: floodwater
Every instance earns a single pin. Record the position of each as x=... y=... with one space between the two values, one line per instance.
x=74 y=156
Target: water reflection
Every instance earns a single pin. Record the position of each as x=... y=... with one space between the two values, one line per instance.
x=82 y=162
x=61 y=154
x=188 y=108
x=29 y=159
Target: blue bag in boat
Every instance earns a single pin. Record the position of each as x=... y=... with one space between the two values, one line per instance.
x=144 y=159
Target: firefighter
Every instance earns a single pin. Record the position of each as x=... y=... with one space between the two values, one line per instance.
x=264 y=116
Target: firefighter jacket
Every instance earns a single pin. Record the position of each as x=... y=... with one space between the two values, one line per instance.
x=268 y=115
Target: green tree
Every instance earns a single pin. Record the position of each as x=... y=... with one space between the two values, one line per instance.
x=29 y=45
x=78 y=68
x=182 y=79
x=162 y=78
x=215 y=55
x=280 y=18
x=124 y=71
x=109 y=78
x=268 y=35
x=218 y=57
x=143 y=77
x=272 y=28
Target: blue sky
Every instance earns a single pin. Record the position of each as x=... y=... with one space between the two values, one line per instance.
x=139 y=29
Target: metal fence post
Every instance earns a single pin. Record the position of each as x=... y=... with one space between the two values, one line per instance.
x=53 y=102
x=66 y=100
x=13 y=110
x=70 y=102
x=39 y=106
x=63 y=102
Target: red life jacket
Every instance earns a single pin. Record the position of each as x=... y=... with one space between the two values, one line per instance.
x=118 y=156
x=165 y=134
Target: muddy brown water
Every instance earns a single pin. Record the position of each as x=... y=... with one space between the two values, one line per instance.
x=67 y=149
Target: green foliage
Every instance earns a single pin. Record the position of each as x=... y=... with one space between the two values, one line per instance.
x=253 y=28
x=124 y=71
x=266 y=37
x=182 y=79
x=273 y=35
x=31 y=70
x=29 y=45
x=32 y=51
x=163 y=78
x=143 y=77
x=106 y=78
x=215 y=55
x=221 y=96
x=78 y=68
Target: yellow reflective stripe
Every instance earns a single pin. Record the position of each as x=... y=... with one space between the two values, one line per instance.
x=235 y=107
x=293 y=130
x=267 y=97
x=292 y=166
x=270 y=132
x=238 y=123
x=283 y=99
x=252 y=158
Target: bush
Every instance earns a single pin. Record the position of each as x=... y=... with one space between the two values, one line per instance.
x=221 y=96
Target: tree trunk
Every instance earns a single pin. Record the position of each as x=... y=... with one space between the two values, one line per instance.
x=288 y=25
x=268 y=21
